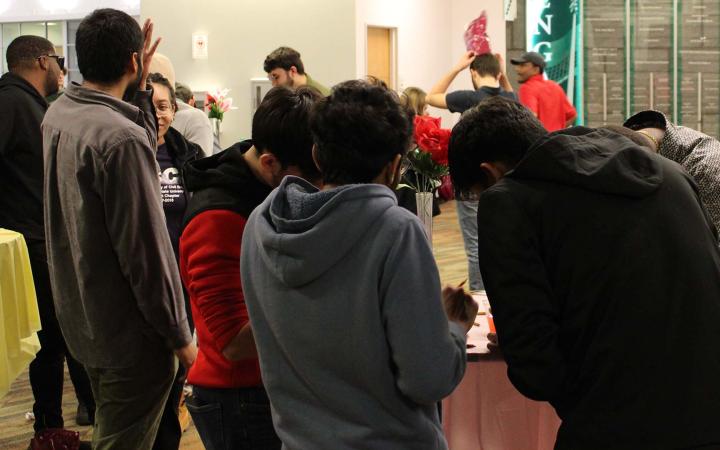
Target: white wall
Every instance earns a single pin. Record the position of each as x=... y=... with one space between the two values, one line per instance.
x=429 y=38
x=41 y=10
x=240 y=35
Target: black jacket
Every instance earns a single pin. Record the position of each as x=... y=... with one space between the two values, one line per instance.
x=22 y=109
x=603 y=272
x=180 y=149
x=223 y=181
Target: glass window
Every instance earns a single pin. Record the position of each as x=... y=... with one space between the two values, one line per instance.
x=55 y=33
x=72 y=29
x=33 y=28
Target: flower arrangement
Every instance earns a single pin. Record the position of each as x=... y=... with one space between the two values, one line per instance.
x=429 y=161
x=217 y=103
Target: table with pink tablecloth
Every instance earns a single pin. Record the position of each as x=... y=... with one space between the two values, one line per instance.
x=486 y=412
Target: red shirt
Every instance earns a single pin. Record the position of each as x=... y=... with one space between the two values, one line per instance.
x=548 y=101
x=210 y=269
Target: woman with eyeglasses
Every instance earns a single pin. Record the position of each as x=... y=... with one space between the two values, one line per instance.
x=172 y=153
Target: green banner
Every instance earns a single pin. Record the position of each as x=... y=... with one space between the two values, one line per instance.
x=553 y=30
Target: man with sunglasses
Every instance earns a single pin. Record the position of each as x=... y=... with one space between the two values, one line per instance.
x=34 y=72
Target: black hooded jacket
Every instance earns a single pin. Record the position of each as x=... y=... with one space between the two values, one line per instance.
x=223 y=181
x=603 y=272
x=22 y=109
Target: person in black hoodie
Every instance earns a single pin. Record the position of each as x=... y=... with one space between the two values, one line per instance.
x=34 y=71
x=602 y=269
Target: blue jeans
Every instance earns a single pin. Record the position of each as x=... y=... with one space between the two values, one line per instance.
x=467 y=217
x=233 y=419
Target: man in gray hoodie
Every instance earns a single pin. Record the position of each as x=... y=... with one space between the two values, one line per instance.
x=344 y=295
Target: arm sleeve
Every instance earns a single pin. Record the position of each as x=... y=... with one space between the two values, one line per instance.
x=703 y=164
x=528 y=99
x=210 y=264
x=6 y=124
x=147 y=118
x=524 y=310
x=458 y=101
x=570 y=112
x=427 y=350
x=136 y=224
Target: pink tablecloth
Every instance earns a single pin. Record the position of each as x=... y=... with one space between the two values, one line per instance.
x=487 y=413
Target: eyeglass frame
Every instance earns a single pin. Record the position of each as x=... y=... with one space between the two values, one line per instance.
x=60 y=59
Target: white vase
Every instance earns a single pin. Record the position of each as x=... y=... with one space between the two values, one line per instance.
x=424 y=203
x=216 y=127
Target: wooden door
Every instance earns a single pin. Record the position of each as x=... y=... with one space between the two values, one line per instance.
x=380 y=54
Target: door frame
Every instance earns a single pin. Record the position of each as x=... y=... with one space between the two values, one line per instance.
x=393 y=52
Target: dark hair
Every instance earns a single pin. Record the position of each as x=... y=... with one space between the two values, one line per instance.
x=358 y=129
x=24 y=50
x=105 y=42
x=637 y=138
x=157 y=78
x=496 y=130
x=486 y=65
x=183 y=92
x=284 y=58
x=281 y=126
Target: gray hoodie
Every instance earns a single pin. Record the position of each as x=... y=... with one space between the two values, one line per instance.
x=344 y=300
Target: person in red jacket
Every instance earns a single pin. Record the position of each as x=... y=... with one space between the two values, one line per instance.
x=229 y=405
x=545 y=98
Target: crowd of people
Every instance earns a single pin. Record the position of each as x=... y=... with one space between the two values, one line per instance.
x=316 y=301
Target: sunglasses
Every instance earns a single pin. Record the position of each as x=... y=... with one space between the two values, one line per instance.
x=60 y=59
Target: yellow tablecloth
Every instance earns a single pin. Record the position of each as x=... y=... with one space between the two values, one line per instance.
x=19 y=316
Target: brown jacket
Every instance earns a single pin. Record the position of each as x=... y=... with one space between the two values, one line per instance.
x=115 y=281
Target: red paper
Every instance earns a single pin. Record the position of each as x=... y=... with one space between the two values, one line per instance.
x=476 y=37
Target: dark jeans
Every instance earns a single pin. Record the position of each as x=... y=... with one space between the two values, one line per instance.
x=169 y=432
x=233 y=419
x=47 y=369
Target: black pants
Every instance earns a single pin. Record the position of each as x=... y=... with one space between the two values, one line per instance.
x=47 y=369
x=233 y=419
x=169 y=431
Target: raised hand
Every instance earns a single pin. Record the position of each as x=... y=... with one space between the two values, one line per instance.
x=148 y=51
x=465 y=61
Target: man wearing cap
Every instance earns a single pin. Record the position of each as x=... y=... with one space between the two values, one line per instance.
x=545 y=98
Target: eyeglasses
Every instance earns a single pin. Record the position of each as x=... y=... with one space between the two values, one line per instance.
x=60 y=59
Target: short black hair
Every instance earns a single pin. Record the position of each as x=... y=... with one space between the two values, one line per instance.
x=358 y=129
x=486 y=65
x=104 y=42
x=158 y=78
x=281 y=126
x=183 y=92
x=24 y=50
x=284 y=58
x=496 y=130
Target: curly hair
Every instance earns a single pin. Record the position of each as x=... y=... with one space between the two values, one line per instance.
x=496 y=130
x=358 y=130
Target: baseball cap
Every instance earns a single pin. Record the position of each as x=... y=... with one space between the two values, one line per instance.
x=531 y=57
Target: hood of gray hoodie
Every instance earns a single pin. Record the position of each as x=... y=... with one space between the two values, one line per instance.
x=303 y=232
